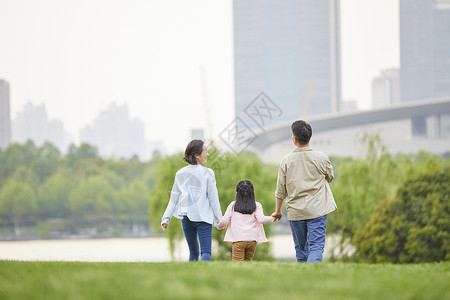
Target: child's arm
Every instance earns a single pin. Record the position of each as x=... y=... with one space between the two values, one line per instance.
x=227 y=217
x=259 y=214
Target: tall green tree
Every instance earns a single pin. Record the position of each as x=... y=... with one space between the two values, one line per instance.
x=133 y=200
x=91 y=201
x=45 y=161
x=53 y=197
x=26 y=175
x=84 y=151
x=17 y=203
x=19 y=155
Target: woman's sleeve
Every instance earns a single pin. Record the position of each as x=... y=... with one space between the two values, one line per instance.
x=227 y=217
x=174 y=198
x=259 y=215
x=213 y=195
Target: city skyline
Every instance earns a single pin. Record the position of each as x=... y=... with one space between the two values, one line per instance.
x=112 y=132
x=151 y=56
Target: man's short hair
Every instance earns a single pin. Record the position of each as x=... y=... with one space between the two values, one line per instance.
x=302 y=131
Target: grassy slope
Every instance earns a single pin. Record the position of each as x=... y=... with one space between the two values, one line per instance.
x=222 y=280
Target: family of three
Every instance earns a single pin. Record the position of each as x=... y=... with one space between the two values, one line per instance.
x=302 y=183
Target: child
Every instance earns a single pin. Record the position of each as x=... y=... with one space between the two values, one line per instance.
x=245 y=217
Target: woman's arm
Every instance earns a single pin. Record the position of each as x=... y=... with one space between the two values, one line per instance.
x=213 y=195
x=174 y=198
x=259 y=214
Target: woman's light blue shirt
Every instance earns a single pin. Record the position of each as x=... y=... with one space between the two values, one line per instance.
x=194 y=194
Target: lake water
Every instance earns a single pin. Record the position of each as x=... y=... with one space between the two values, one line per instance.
x=155 y=249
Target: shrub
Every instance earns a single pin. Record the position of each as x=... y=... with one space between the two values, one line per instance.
x=413 y=227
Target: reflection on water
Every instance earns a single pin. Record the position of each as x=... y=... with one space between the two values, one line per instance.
x=154 y=249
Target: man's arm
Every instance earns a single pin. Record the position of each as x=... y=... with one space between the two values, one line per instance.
x=280 y=193
x=278 y=214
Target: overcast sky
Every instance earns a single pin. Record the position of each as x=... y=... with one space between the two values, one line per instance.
x=77 y=57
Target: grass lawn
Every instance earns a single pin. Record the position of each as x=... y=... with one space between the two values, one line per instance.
x=222 y=280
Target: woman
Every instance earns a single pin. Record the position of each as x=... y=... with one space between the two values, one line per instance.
x=194 y=200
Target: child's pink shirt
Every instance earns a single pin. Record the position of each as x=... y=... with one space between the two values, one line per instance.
x=242 y=227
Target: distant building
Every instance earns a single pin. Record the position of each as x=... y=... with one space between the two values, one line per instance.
x=425 y=49
x=349 y=105
x=290 y=51
x=425 y=56
x=32 y=124
x=116 y=135
x=5 y=117
x=386 y=89
x=198 y=134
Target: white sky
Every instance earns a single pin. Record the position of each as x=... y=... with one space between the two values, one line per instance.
x=78 y=56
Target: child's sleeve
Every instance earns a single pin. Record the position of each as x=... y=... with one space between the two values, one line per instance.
x=227 y=217
x=259 y=215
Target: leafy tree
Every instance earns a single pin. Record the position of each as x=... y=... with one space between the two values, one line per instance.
x=53 y=197
x=229 y=169
x=159 y=197
x=2 y=167
x=46 y=161
x=27 y=175
x=90 y=201
x=134 y=202
x=85 y=151
x=360 y=185
x=18 y=155
x=17 y=203
x=414 y=227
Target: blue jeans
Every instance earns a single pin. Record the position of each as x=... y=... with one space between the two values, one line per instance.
x=203 y=231
x=309 y=238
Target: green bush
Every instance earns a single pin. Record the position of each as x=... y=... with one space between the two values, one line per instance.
x=361 y=184
x=413 y=227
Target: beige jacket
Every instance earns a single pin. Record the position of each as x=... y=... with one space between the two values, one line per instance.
x=303 y=178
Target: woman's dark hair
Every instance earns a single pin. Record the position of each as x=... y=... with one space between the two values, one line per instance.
x=245 y=197
x=195 y=147
x=302 y=131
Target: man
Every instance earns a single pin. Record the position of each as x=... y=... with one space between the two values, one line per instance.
x=303 y=178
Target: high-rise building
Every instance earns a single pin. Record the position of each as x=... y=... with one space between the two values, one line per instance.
x=116 y=135
x=425 y=56
x=424 y=49
x=386 y=89
x=289 y=50
x=5 y=117
x=32 y=123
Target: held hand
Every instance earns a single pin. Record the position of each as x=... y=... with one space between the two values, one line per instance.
x=164 y=226
x=277 y=215
x=222 y=228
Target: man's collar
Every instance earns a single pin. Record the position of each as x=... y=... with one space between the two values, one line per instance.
x=302 y=149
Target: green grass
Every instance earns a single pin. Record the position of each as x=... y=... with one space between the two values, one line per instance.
x=222 y=280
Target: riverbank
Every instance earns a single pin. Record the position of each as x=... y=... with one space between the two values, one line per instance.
x=155 y=249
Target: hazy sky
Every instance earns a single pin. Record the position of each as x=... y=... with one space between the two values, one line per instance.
x=79 y=56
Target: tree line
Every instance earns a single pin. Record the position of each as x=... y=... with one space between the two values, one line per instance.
x=45 y=193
